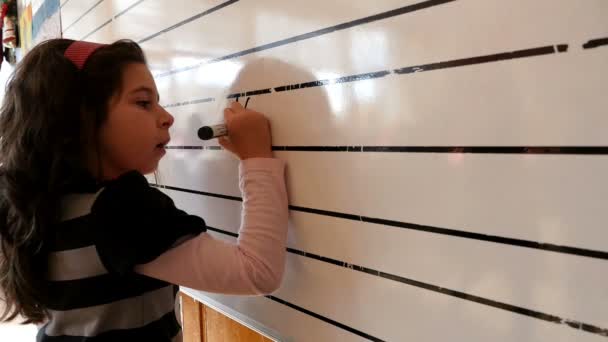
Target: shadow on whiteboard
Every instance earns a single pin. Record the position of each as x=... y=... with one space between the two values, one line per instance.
x=290 y=111
x=270 y=73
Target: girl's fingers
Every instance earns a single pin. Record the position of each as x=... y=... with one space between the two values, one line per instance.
x=228 y=113
x=236 y=107
x=227 y=144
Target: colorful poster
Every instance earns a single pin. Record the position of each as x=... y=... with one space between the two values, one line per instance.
x=46 y=23
x=25 y=28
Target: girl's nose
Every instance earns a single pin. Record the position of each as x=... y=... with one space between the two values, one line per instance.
x=167 y=119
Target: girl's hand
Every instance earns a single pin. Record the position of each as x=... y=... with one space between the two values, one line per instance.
x=248 y=133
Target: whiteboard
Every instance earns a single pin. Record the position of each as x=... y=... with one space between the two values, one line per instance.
x=446 y=158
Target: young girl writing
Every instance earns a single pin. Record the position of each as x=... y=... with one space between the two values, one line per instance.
x=91 y=252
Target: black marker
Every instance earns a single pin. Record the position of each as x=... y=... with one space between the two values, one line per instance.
x=210 y=132
x=216 y=131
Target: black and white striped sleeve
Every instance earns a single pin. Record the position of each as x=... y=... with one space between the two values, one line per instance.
x=135 y=223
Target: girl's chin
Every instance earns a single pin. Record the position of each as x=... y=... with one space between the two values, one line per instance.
x=149 y=170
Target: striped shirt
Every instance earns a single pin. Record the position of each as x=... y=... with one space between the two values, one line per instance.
x=94 y=294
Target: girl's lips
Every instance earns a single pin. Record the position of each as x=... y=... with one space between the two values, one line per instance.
x=163 y=144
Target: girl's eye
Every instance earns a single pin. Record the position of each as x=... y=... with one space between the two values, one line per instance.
x=144 y=104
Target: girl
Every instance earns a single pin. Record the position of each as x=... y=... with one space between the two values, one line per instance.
x=89 y=250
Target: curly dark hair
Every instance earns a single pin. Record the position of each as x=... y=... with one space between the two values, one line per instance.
x=49 y=124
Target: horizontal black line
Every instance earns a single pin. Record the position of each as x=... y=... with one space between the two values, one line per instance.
x=491 y=238
x=548 y=247
x=250 y=93
x=339 y=27
x=298 y=308
x=186 y=21
x=407 y=70
x=317 y=83
x=491 y=149
x=225 y=232
x=345 y=79
x=384 y=15
x=325 y=319
x=459 y=233
x=429 y=229
x=128 y=9
x=453 y=293
x=463 y=234
x=82 y=16
x=197 y=147
x=313 y=148
x=257 y=92
x=97 y=29
x=185 y=147
x=457 y=294
x=582 y=150
x=209 y=194
x=110 y=20
x=177 y=104
x=345 y=216
x=545 y=50
x=276 y=148
x=593 y=43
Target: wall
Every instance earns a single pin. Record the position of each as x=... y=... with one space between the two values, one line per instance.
x=446 y=158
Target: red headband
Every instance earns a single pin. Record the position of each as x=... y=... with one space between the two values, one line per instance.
x=79 y=51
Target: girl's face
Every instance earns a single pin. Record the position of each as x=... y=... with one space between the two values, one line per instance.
x=137 y=127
